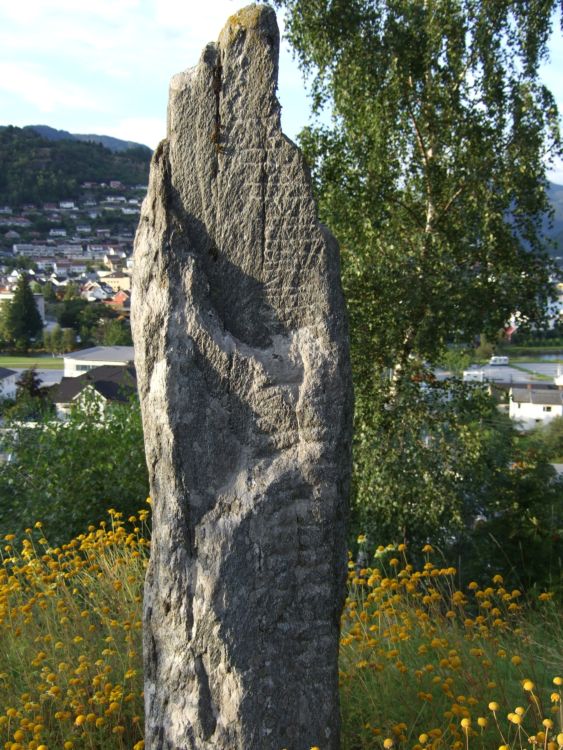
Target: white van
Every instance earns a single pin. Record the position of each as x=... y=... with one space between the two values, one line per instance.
x=498 y=361
x=473 y=376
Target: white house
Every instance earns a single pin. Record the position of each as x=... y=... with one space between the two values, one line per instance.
x=106 y=384
x=531 y=406
x=94 y=291
x=77 y=363
x=69 y=266
x=7 y=383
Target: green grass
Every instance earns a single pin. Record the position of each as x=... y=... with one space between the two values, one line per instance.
x=423 y=664
x=525 y=350
x=537 y=375
x=522 y=360
x=40 y=362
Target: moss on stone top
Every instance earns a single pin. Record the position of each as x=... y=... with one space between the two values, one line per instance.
x=244 y=19
x=247 y=18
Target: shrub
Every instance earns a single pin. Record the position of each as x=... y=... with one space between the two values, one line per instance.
x=67 y=473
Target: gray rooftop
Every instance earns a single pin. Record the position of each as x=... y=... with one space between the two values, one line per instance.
x=537 y=396
x=104 y=354
x=5 y=373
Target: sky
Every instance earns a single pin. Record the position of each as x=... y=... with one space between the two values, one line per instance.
x=103 y=66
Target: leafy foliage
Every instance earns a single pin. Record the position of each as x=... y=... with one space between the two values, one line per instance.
x=21 y=320
x=69 y=473
x=431 y=173
x=94 y=322
x=113 y=332
x=28 y=384
x=550 y=438
x=59 y=340
x=454 y=469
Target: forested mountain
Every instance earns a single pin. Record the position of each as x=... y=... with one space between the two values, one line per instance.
x=114 y=144
x=36 y=170
x=41 y=164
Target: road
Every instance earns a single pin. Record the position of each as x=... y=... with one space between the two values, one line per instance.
x=48 y=377
x=524 y=373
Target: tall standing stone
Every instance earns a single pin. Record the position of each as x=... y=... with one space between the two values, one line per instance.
x=242 y=360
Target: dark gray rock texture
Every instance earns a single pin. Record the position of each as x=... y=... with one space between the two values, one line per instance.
x=242 y=360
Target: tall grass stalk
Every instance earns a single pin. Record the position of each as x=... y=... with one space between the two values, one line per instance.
x=70 y=627
x=423 y=665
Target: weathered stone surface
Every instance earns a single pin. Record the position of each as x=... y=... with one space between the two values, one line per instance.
x=242 y=361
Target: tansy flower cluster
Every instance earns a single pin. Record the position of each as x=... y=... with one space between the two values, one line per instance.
x=70 y=627
x=425 y=665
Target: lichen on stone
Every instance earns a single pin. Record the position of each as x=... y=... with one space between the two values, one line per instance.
x=243 y=20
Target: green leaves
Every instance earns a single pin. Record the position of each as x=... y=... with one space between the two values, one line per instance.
x=21 y=320
x=432 y=176
x=67 y=474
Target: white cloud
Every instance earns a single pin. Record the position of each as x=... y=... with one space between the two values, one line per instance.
x=555 y=174
x=29 y=11
x=199 y=22
x=31 y=85
x=146 y=130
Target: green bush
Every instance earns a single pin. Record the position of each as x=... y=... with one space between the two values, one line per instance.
x=69 y=473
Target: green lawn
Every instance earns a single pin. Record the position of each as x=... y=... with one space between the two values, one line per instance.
x=40 y=362
x=537 y=375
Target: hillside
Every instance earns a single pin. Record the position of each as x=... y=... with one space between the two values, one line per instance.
x=41 y=164
x=114 y=144
x=36 y=170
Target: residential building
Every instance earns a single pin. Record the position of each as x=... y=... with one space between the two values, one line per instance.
x=65 y=266
x=95 y=291
x=122 y=299
x=107 y=383
x=77 y=363
x=532 y=405
x=30 y=250
x=118 y=281
x=7 y=383
x=70 y=251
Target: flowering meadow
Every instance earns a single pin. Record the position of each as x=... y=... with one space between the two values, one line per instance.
x=70 y=629
x=424 y=665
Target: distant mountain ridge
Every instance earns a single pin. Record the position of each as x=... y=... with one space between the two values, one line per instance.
x=113 y=144
x=39 y=163
x=35 y=169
